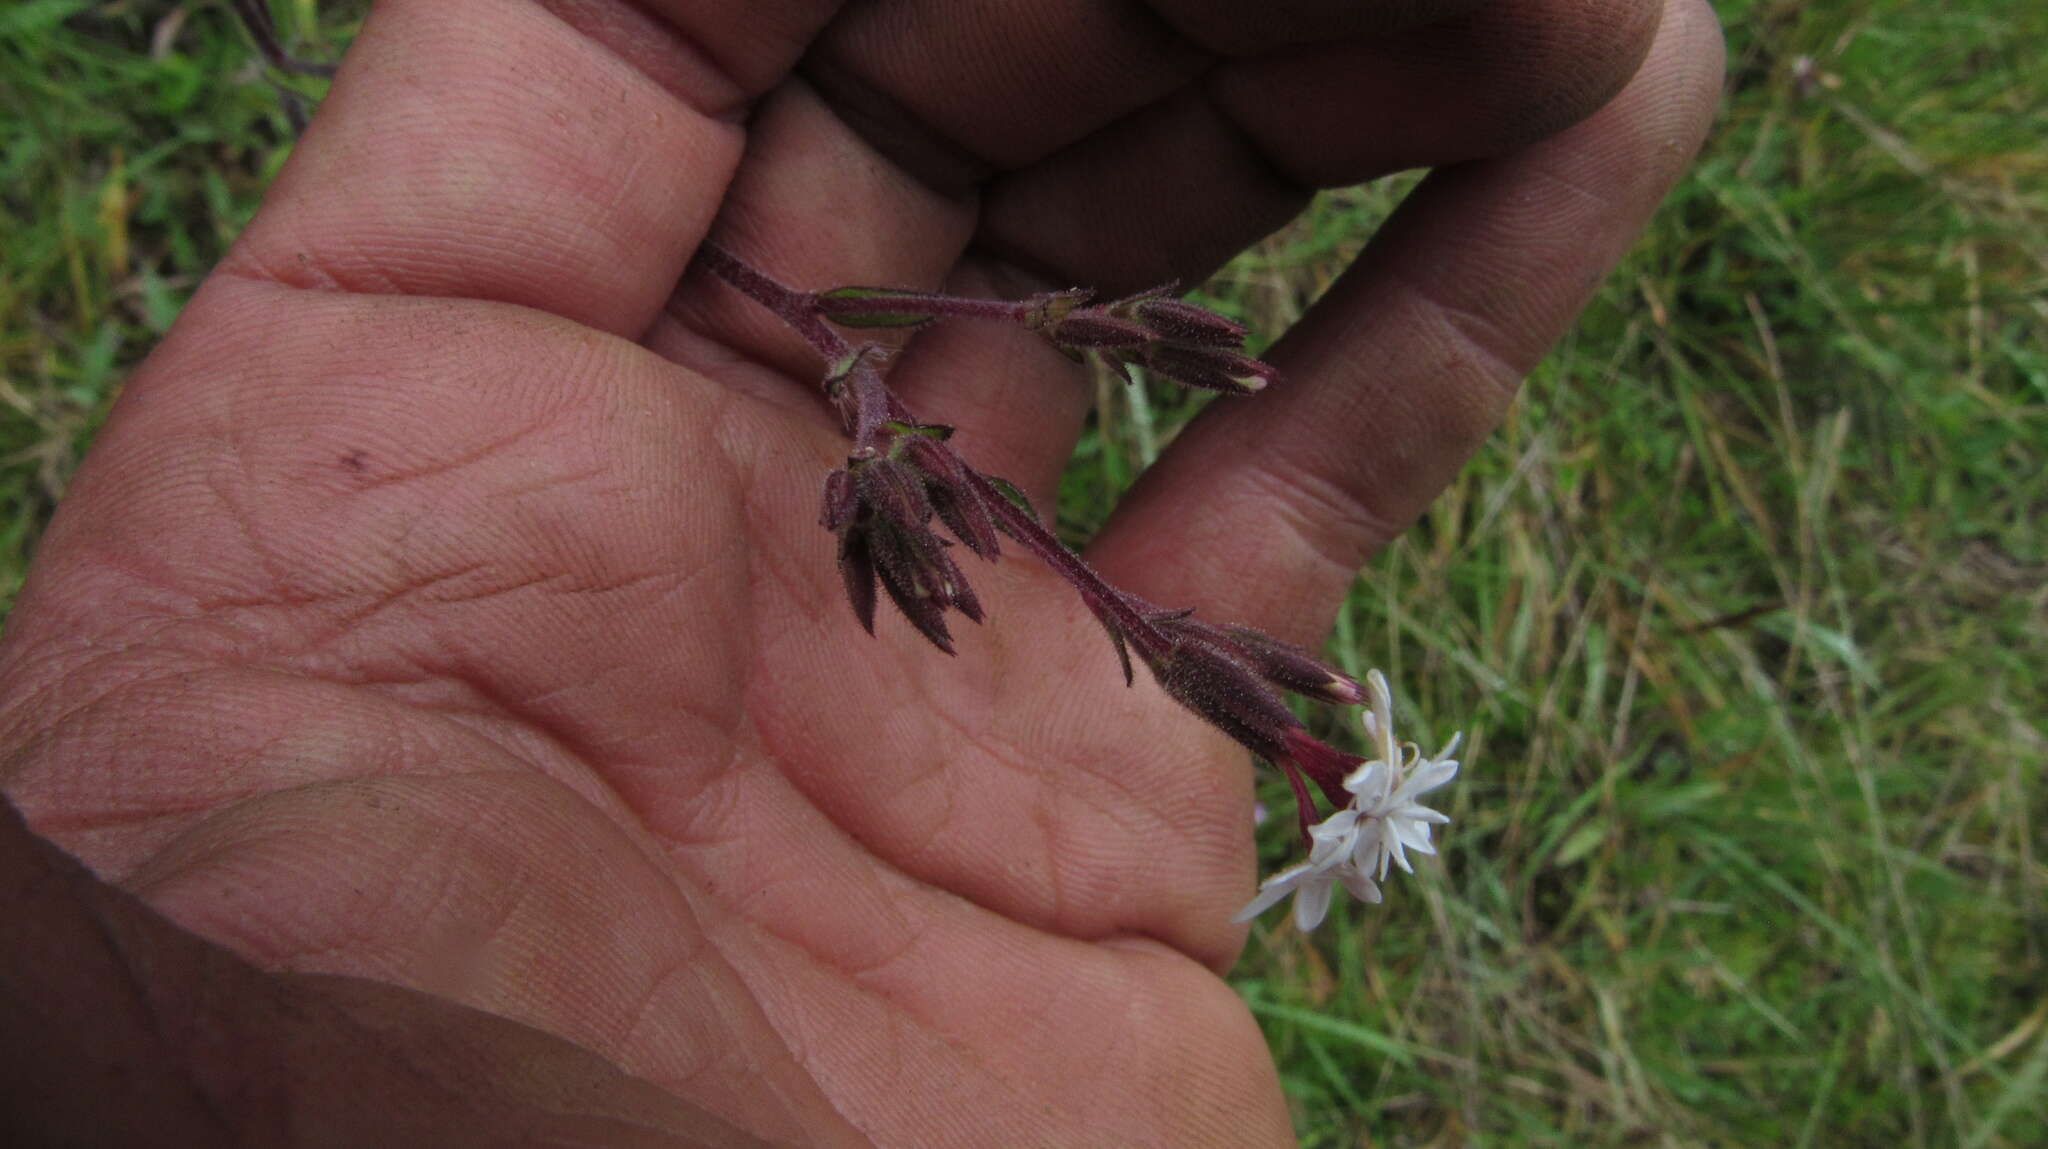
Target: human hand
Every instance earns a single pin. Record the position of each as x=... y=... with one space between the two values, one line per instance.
x=444 y=605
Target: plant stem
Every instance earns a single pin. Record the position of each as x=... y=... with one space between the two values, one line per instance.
x=867 y=404
x=799 y=309
x=946 y=306
x=1126 y=612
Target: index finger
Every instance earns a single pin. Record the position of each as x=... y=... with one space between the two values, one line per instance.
x=1406 y=365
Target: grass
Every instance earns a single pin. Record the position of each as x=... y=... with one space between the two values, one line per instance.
x=1746 y=607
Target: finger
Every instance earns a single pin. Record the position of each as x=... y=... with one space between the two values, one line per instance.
x=866 y=169
x=1172 y=191
x=563 y=156
x=1264 y=511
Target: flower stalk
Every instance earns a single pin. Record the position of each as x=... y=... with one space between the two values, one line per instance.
x=903 y=480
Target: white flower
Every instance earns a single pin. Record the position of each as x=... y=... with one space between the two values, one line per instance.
x=1355 y=846
x=1384 y=791
x=1333 y=842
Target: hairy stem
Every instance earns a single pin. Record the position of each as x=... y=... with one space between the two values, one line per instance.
x=937 y=306
x=798 y=309
x=1126 y=612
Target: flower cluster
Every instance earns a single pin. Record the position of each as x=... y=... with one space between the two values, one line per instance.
x=881 y=505
x=1375 y=829
x=1169 y=337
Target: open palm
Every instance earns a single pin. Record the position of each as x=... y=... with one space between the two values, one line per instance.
x=445 y=605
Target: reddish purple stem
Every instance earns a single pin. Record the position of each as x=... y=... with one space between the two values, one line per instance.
x=946 y=306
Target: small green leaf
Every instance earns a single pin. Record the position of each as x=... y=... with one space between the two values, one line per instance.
x=881 y=315
x=1008 y=490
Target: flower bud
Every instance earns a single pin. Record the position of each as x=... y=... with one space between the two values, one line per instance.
x=1179 y=321
x=857 y=572
x=1228 y=696
x=1093 y=329
x=923 y=582
x=953 y=496
x=842 y=502
x=1283 y=664
x=894 y=491
x=1209 y=368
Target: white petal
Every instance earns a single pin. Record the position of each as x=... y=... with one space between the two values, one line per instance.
x=1396 y=850
x=1425 y=814
x=1414 y=835
x=1363 y=888
x=1373 y=852
x=1333 y=833
x=1370 y=782
x=1426 y=777
x=1382 y=697
x=1271 y=891
x=1312 y=902
x=1380 y=720
x=1368 y=839
x=1451 y=747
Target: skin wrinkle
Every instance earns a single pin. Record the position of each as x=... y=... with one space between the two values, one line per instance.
x=1472 y=331
x=790 y=27
x=1047 y=268
x=523 y=717
x=704 y=1062
x=583 y=76
x=492 y=939
x=564 y=482
x=1272 y=166
x=1033 y=264
x=1325 y=516
x=906 y=943
x=444 y=468
x=700 y=949
x=1411 y=13
x=895 y=1008
x=236 y=511
x=985 y=747
x=353 y=618
x=572 y=745
x=48 y=734
x=938 y=163
x=75 y=821
x=30 y=734
x=745 y=370
x=600 y=22
x=468 y=842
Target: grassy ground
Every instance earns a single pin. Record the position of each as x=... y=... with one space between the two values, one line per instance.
x=1747 y=606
